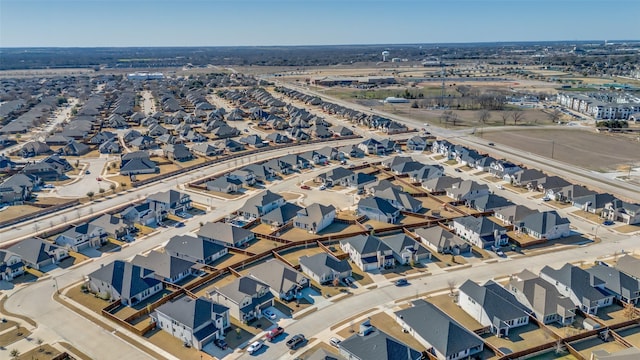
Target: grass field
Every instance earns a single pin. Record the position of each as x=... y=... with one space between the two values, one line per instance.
x=602 y=152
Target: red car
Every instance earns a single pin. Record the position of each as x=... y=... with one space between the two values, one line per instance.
x=274 y=333
x=99 y=179
x=305 y=187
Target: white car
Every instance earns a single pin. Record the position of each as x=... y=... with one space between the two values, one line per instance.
x=269 y=314
x=322 y=187
x=499 y=187
x=255 y=346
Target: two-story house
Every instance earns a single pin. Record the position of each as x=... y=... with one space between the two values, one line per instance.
x=82 y=236
x=245 y=297
x=285 y=282
x=260 y=204
x=324 y=268
x=315 y=217
x=368 y=252
x=124 y=281
x=480 y=232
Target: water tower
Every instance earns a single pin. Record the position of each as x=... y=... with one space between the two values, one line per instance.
x=385 y=55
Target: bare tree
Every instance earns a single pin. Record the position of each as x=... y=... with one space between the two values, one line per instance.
x=454 y=118
x=446 y=115
x=504 y=116
x=517 y=115
x=555 y=115
x=484 y=116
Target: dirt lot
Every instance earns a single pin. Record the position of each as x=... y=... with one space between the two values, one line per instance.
x=571 y=146
x=15 y=211
x=44 y=351
x=586 y=347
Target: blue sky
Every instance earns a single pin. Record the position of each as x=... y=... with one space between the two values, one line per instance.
x=89 y=23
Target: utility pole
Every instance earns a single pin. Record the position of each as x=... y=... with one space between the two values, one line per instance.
x=553 y=146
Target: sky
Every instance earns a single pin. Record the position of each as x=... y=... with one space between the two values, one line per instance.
x=98 y=23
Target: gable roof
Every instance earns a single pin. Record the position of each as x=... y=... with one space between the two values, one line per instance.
x=377 y=203
x=193 y=247
x=378 y=345
x=322 y=263
x=278 y=275
x=192 y=313
x=365 y=244
x=541 y=295
x=223 y=232
x=481 y=225
x=616 y=281
x=578 y=280
x=499 y=304
x=629 y=265
x=441 y=238
x=163 y=264
x=241 y=287
x=436 y=327
x=542 y=222
x=33 y=250
x=126 y=278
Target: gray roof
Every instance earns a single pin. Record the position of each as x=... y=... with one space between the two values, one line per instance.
x=595 y=201
x=514 y=213
x=109 y=223
x=499 y=304
x=162 y=264
x=241 y=287
x=322 y=354
x=323 y=263
x=542 y=222
x=440 y=183
x=260 y=200
x=378 y=345
x=481 y=225
x=126 y=278
x=489 y=202
x=543 y=297
x=223 y=232
x=278 y=275
x=193 y=247
x=578 y=280
x=192 y=313
x=436 y=327
x=378 y=204
x=282 y=214
x=616 y=281
x=629 y=265
x=314 y=213
x=33 y=250
x=167 y=197
x=398 y=242
x=441 y=238
x=365 y=244
x=336 y=174
x=404 y=199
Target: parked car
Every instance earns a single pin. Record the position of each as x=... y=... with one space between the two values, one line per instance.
x=220 y=343
x=608 y=223
x=322 y=187
x=274 y=333
x=402 y=282
x=305 y=187
x=491 y=144
x=255 y=346
x=546 y=198
x=99 y=178
x=295 y=341
x=457 y=170
x=179 y=225
x=269 y=314
x=334 y=342
x=500 y=187
x=87 y=172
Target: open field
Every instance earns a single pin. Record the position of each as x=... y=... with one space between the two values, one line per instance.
x=572 y=146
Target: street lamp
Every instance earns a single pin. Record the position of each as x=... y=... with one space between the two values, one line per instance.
x=55 y=279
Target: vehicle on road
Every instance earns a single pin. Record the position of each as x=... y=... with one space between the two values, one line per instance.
x=334 y=342
x=402 y=282
x=99 y=178
x=220 y=343
x=457 y=170
x=179 y=225
x=608 y=223
x=491 y=144
x=255 y=346
x=274 y=333
x=322 y=187
x=546 y=198
x=269 y=314
x=500 y=187
x=500 y=253
x=305 y=187
x=48 y=186
x=295 y=341
x=87 y=172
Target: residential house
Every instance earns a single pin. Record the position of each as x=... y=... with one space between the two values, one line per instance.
x=400 y=199
x=389 y=146
x=137 y=162
x=489 y=202
x=440 y=184
x=328 y=153
x=315 y=217
x=425 y=173
x=177 y=152
x=285 y=282
x=480 y=232
x=493 y=306
x=230 y=145
x=225 y=234
x=324 y=268
x=368 y=252
x=37 y=253
x=278 y=138
x=405 y=249
x=295 y=162
x=11 y=266
x=374 y=344
x=245 y=297
x=618 y=210
x=587 y=292
x=315 y=158
x=44 y=171
x=527 y=178
x=417 y=143
x=503 y=169
x=279 y=166
x=569 y=192
x=244 y=175
x=261 y=173
x=18 y=188
x=442 y=241
x=629 y=265
x=631 y=353
x=372 y=147
x=467 y=190
x=34 y=148
x=260 y=204
x=281 y=215
x=513 y=214
x=350 y=151
x=113 y=226
x=111 y=146
x=206 y=149
x=545 y=225
x=254 y=141
x=171 y=201
x=165 y=267
x=547 y=303
x=340 y=130
x=195 y=249
x=550 y=184
x=149 y=213
x=594 y=203
x=124 y=281
x=195 y=322
x=407 y=167
x=74 y=148
x=443 y=337
x=337 y=176
x=224 y=184
x=484 y=163
x=82 y=236
x=624 y=287
x=378 y=209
